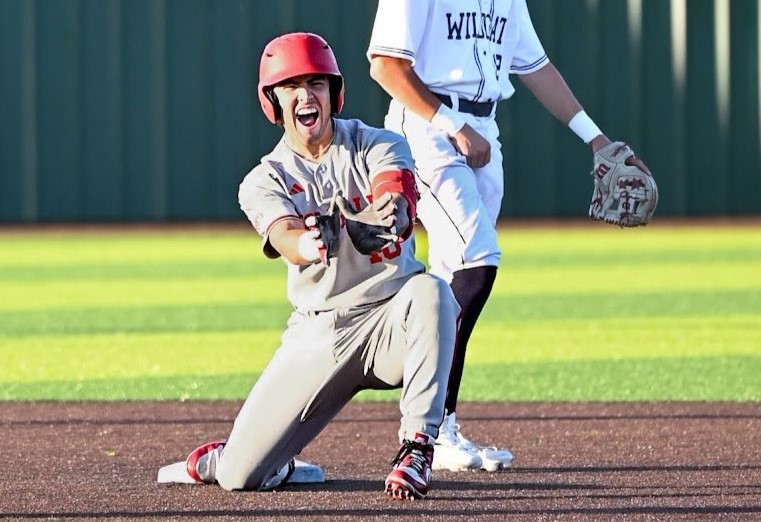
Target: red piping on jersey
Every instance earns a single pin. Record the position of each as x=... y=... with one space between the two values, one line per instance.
x=399 y=182
x=278 y=220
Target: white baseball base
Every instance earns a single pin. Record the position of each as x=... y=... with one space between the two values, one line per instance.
x=304 y=473
x=175 y=474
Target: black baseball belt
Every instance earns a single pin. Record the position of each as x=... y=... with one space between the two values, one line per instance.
x=480 y=109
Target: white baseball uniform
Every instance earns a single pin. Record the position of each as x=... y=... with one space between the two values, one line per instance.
x=366 y=321
x=464 y=51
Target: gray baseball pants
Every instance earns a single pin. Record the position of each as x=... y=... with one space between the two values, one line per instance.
x=325 y=358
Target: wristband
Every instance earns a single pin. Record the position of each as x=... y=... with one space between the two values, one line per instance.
x=584 y=127
x=447 y=120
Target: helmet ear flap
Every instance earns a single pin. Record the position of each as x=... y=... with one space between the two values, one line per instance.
x=272 y=97
x=336 y=93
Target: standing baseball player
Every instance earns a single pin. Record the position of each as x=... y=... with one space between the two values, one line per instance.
x=445 y=64
x=336 y=200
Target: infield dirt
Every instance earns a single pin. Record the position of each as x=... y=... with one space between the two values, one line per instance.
x=574 y=462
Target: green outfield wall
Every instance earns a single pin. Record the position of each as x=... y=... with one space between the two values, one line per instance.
x=145 y=110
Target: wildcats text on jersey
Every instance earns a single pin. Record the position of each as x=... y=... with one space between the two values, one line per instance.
x=467 y=25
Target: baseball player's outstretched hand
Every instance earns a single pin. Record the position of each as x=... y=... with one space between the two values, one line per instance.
x=320 y=241
x=382 y=212
x=375 y=227
x=473 y=146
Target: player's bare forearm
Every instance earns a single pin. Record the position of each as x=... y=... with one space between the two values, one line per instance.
x=285 y=236
x=401 y=82
x=549 y=87
x=599 y=142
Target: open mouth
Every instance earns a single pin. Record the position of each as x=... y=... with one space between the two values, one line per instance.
x=307 y=117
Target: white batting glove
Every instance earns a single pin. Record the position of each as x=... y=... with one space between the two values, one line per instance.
x=309 y=245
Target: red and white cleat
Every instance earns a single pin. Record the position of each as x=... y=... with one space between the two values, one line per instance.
x=201 y=464
x=412 y=469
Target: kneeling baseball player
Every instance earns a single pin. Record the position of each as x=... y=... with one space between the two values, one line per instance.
x=336 y=199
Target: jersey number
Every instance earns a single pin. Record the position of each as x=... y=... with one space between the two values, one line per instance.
x=389 y=252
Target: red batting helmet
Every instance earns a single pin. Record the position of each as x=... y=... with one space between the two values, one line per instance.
x=292 y=55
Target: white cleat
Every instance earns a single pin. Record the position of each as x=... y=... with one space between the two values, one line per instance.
x=454 y=458
x=493 y=458
x=454 y=452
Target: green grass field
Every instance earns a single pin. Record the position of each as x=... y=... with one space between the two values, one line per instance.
x=597 y=313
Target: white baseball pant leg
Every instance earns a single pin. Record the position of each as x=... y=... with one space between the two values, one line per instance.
x=459 y=207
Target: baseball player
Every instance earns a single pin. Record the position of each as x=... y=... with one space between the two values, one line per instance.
x=336 y=200
x=446 y=63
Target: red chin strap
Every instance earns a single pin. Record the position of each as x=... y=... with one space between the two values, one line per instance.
x=402 y=182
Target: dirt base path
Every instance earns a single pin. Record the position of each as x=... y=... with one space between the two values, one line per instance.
x=580 y=462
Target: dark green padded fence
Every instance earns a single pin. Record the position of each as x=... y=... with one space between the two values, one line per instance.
x=145 y=110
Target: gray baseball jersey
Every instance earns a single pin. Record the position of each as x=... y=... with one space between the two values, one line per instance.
x=373 y=321
x=285 y=185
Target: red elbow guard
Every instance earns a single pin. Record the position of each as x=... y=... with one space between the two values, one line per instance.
x=403 y=182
